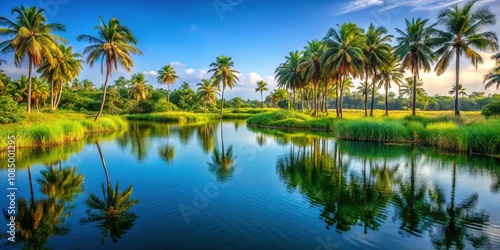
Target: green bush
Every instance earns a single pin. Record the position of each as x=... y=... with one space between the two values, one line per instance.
x=492 y=109
x=10 y=112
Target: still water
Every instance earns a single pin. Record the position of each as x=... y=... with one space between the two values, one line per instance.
x=228 y=186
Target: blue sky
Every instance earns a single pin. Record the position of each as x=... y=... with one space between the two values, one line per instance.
x=257 y=34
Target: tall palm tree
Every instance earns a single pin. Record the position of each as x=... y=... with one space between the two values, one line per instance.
x=461 y=90
x=392 y=73
x=87 y=85
x=463 y=33
x=224 y=73
x=344 y=53
x=261 y=87
x=364 y=89
x=139 y=90
x=289 y=76
x=33 y=38
x=66 y=67
x=113 y=46
x=311 y=66
x=414 y=50
x=168 y=76
x=207 y=90
x=378 y=54
x=493 y=77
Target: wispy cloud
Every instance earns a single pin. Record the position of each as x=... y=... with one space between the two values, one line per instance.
x=385 y=5
x=356 y=5
x=178 y=64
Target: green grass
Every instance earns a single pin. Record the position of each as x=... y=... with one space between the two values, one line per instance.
x=468 y=133
x=51 y=129
x=183 y=117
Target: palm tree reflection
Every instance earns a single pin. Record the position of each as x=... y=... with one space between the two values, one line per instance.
x=222 y=161
x=112 y=212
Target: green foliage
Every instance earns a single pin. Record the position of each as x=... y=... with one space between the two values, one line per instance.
x=10 y=113
x=164 y=106
x=492 y=109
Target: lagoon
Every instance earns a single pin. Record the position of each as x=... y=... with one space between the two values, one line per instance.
x=229 y=186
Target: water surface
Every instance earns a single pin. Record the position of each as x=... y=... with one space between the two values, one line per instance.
x=227 y=186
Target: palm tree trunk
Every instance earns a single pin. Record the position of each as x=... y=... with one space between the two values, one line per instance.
x=414 y=102
x=341 y=95
x=31 y=187
x=168 y=92
x=457 y=75
x=386 y=96
x=302 y=101
x=373 y=94
x=58 y=97
x=52 y=98
x=366 y=91
x=222 y=138
x=337 y=98
x=29 y=84
x=222 y=102
x=103 y=164
x=104 y=93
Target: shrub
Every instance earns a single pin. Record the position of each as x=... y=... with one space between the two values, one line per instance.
x=492 y=109
x=10 y=112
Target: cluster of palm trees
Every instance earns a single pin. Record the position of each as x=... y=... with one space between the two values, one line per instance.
x=323 y=68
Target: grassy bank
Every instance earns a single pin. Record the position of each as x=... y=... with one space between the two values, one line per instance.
x=44 y=129
x=471 y=133
x=183 y=117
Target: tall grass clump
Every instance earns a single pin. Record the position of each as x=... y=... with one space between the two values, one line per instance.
x=481 y=137
x=57 y=130
x=443 y=135
x=280 y=118
x=384 y=130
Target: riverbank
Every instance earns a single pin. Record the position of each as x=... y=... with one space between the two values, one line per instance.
x=472 y=134
x=45 y=129
x=183 y=117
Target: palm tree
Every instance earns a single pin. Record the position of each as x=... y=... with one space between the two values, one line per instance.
x=62 y=184
x=261 y=87
x=139 y=90
x=113 y=47
x=392 y=73
x=67 y=66
x=364 y=89
x=39 y=92
x=464 y=33
x=461 y=90
x=32 y=38
x=168 y=76
x=76 y=84
x=493 y=77
x=344 y=54
x=223 y=73
x=87 y=84
x=406 y=89
x=207 y=90
x=414 y=50
x=311 y=67
x=378 y=54
x=289 y=76
x=18 y=89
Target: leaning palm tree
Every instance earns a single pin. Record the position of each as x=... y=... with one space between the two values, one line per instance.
x=343 y=54
x=224 y=73
x=461 y=90
x=168 y=76
x=414 y=50
x=207 y=90
x=66 y=67
x=113 y=46
x=378 y=54
x=261 y=87
x=139 y=90
x=33 y=38
x=392 y=73
x=463 y=33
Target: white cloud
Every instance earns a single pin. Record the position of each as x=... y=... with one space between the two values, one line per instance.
x=190 y=71
x=177 y=64
x=356 y=5
x=150 y=73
